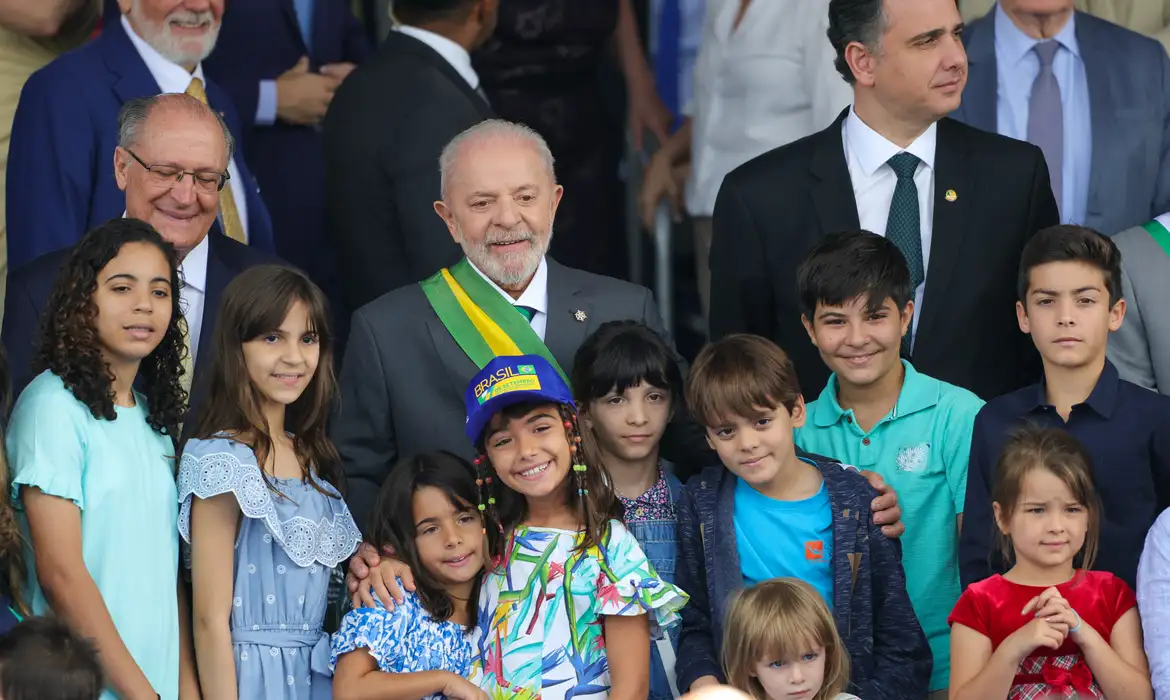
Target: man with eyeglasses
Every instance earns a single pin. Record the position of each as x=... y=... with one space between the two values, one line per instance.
x=171 y=163
x=59 y=185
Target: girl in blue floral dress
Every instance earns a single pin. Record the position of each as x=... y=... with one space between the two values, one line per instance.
x=423 y=647
x=258 y=506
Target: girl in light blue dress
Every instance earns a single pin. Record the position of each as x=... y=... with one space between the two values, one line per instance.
x=92 y=453
x=259 y=509
x=424 y=647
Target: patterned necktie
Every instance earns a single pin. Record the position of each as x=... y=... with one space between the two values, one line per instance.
x=904 y=225
x=229 y=215
x=1046 y=115
x=188 y=358
x=526 y=311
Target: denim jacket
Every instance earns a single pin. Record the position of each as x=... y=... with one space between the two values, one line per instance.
x=658 y=539
x=889 y=656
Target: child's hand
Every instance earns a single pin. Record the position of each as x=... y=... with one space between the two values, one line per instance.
x=368 y=570
x=1052 y=606
x=459 y=688
x=1037 y=633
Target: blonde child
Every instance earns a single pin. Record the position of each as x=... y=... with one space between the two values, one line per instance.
x=780 y=642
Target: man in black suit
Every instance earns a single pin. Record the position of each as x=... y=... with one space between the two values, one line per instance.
x=960 y=204
x=178 y=133
x=384 y=132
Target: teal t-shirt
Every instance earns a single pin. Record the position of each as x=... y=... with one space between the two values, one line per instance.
x=921 y=449
x=785 y=538
x=120 y=473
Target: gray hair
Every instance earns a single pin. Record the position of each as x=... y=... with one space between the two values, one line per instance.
x=132 y=118
x=492 y=130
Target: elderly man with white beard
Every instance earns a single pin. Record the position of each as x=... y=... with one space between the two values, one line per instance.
x=413 y=351
x=60 y=182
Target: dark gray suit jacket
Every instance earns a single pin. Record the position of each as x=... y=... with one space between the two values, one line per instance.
x=404 y=376
x=1129 y=109
x=385 y=129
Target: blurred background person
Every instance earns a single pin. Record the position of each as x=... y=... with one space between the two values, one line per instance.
x=764 y=78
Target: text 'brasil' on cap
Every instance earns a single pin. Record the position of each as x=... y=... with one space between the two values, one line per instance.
x=508 y=380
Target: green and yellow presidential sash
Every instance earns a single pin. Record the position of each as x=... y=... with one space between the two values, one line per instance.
x=482 y=322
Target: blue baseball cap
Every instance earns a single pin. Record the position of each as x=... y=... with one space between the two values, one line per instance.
x=509 y=380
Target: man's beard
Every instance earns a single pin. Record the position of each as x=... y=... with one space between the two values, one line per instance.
x=162 y=39
x=507 y=269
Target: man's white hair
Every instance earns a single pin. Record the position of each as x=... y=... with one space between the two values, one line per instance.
x=486 y=132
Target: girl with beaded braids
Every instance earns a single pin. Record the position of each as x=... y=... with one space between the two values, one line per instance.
x=92 y=454
x=567 y=607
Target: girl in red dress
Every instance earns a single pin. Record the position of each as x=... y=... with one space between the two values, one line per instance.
x=1047 y=629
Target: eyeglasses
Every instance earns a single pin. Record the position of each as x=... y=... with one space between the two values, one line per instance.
x=206 y=181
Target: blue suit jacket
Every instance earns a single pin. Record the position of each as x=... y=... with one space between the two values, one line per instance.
x=30 y=285
x=61 y=158
x=288 y=159
x=1129 y=97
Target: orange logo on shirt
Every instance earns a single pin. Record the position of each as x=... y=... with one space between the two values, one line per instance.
x=814 y=550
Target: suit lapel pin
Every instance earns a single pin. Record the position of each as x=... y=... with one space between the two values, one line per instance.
x=580 y=316
x=951 y=195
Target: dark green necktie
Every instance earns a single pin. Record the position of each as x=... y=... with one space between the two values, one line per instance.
x=903 y=227
x=526 y=311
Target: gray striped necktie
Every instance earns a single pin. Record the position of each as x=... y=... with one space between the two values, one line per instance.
x=1046 y=115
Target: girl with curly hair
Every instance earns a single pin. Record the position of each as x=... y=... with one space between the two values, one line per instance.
x=258 y=487
x=92 y=446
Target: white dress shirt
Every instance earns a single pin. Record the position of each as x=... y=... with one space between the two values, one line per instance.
x=193 y=273
x=1016 y=66
x=866 y=153
x=758 y=86
x=535 y=296
x=451 y=52
x=173 y=78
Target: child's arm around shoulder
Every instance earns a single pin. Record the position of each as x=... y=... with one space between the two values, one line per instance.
x=902 y=659
x=696 y=645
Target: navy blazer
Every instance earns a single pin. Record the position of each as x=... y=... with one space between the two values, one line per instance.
x=61 y=157
x=288 y=159
x=888 y=653
x=1129 y=111
x=30 y=285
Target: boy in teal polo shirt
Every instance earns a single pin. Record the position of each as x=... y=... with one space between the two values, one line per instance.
x=878 y=413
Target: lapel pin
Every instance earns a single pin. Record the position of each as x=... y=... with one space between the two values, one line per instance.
x=580 y=316
x=951 y=195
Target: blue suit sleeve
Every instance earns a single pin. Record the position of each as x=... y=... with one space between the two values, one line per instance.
x=696 y=645
x=978 y=519
x=1161 y=204
x=901 y=655
x=51 y=161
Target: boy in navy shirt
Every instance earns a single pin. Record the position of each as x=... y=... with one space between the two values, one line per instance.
x=1069 y=302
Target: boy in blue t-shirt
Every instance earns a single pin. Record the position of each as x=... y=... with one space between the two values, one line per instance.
x=878 y=413
x=772 y=511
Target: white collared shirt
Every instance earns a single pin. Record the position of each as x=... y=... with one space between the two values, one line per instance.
x=173 y=78
x=866 y=153
x=534 y=296
x=451 y=52
x=758 y=86
x=193 y=273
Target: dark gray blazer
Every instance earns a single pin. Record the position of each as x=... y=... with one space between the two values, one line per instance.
x=1129 y=110
x=404 y=376
x=1141 y=347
